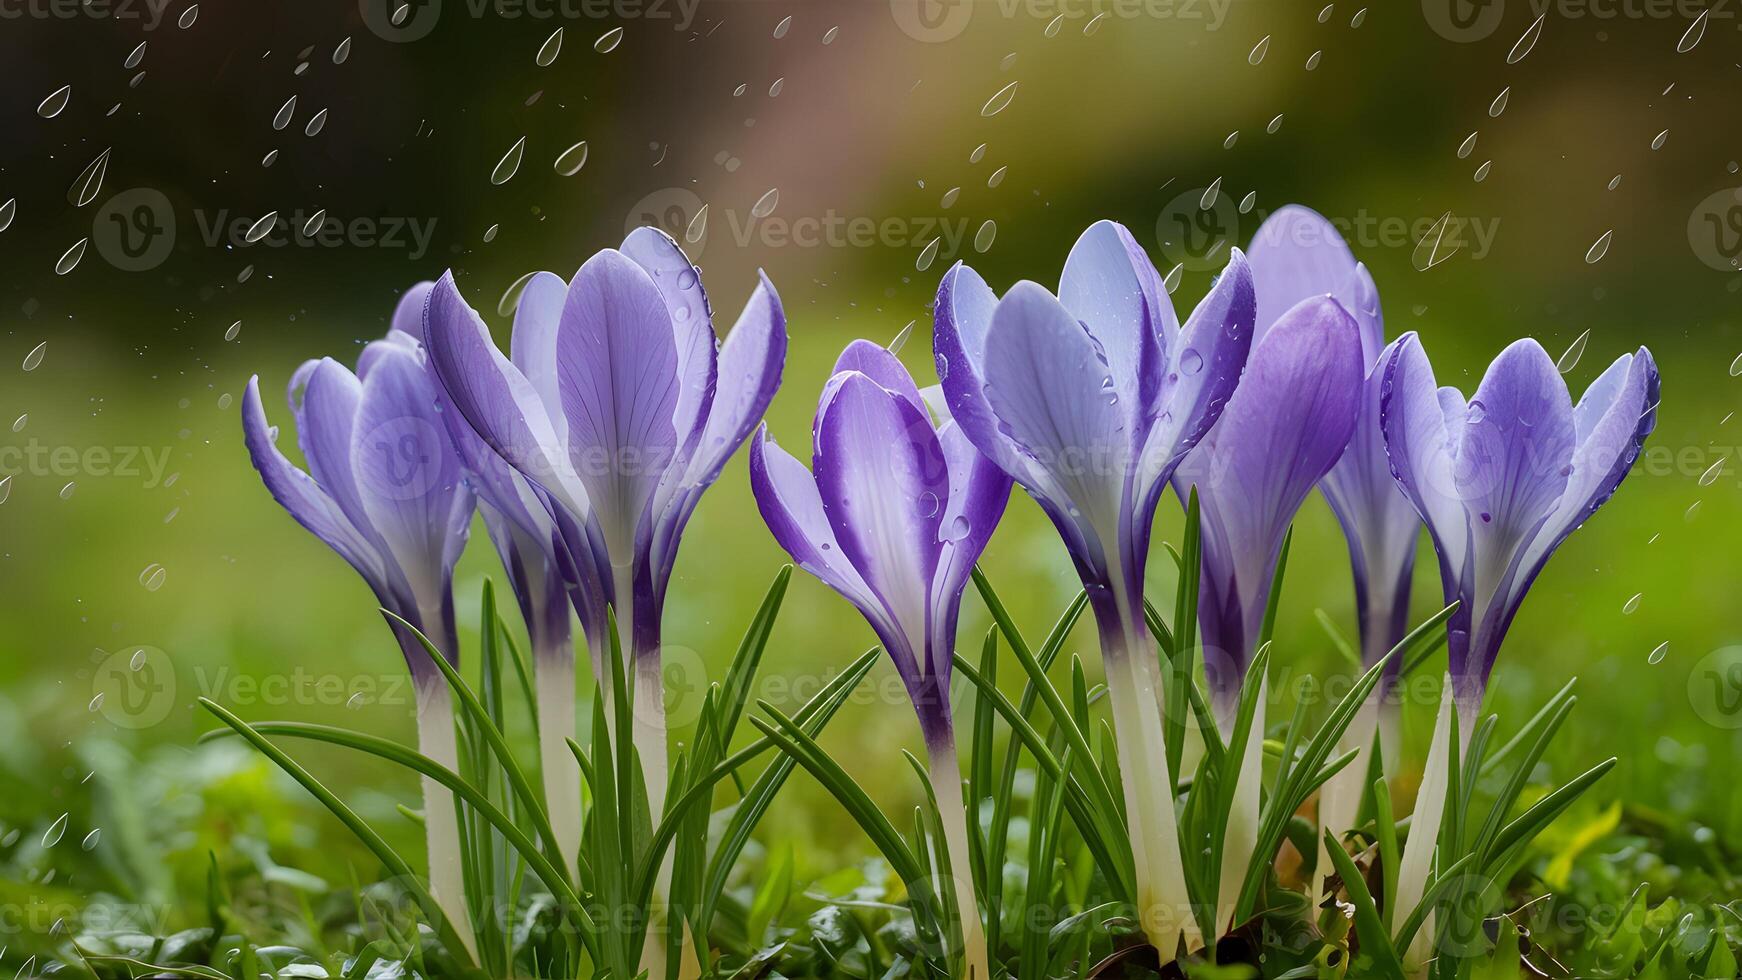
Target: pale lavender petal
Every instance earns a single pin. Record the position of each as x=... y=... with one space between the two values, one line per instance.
x=1106 y=286
x=881 y=476
x=877 y=363
x=692 y=326
x=962 y=317
x=1416 y=420
x=408 y=313
x=1282 y=430
x=325 y=415
x=532 y=346
x=617 y=376
x=978 y=493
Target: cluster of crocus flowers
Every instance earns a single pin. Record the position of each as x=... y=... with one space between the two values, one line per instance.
x=1088 y=399
x=893 y=514
x=386 y=489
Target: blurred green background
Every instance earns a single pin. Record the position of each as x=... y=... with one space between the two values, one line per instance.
x=864 y=116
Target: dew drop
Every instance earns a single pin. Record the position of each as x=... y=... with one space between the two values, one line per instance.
x=572 y=159
x=999 y=101
x=548 y=51
x=57 y=100
x=1191 y=362
x=928 y=504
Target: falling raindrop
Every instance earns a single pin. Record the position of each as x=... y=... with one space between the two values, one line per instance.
x=830 y=35
x=188 y=16
x=1657 y=141
x=1275 y=124
x=1658 y=653
x=997 y=177
x=1498 y=106
x=1482 y=171
x=342 y=52
x=978 y=154
x=7 y=212
x=20 y=422
x=56 y=101
x=927 y=255
x=1712 y=473
x=509 y=164
x=490 y=233
x=1359 y=18
x=1615 y=182
x=1208 y=199
x=69 y=259
x=551 y=47
x=66 y=492
x=609 y=40
x=91 y=839
x=96 y=702
x=572 y=159
x=1736 y=366
x=781 y=28
x=1054 y=26
x=312 y=226
x=766 y=204
x=285 y=112
x=1094 y=24
x=269 y=159
x=999 y=101
x=1692 y=512
x=983 y=238
x=134 y=57
x=1246 y=202
x=1570 y=359
x=1599 y=248
x=1526 y=41
x=1258 y=51
x=84 y=190
x=948 y=201
x=1325 y=14
x=1427 y=252
x=5 y=487
x=1631 y=606
x=698 y=226
x=231 y=332
x=152 y=577
x=1170 y=282
x=1467 y=146
x=55 y=831
x=511 y=296
x=1312 y=61
x=315 y=124
x=33 y=360
x=901 y=338
x=261 y=228
x=137 y=661
x=1694 y=33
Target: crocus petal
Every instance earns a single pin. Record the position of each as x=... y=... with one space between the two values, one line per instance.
x=692 y=326
x=408 y=313
x=1296 y=254
x=325 y=414
x=1514 y=451
x=786 y=495
x=299 y=494
x=979 y=491
x=877 y=363
x=1418 y=443
x=408 y=475
x=880 y=473
x=1105 y=288
x=617 y=377
x=962 y=318
x=532 y=346
x=1282 y=430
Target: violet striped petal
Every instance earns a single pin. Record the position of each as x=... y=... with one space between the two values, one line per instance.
x=1110 y=287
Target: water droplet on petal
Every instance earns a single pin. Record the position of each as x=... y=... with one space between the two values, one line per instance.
x=1191 y=362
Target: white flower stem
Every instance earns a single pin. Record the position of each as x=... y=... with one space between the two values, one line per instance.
x=562 y=775
x=1163 y=905
x=435 y=739
x=1340 y=797
x=1240 y=839
x=946 y=780
x=1424 y=832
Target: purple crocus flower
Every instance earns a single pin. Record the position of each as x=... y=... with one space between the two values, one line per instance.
x=386 y=490
x=618 y=407
x=894 y=518
x=524 y=532
x=1503 y=479
x=1089 y=399
x=1285 y=426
